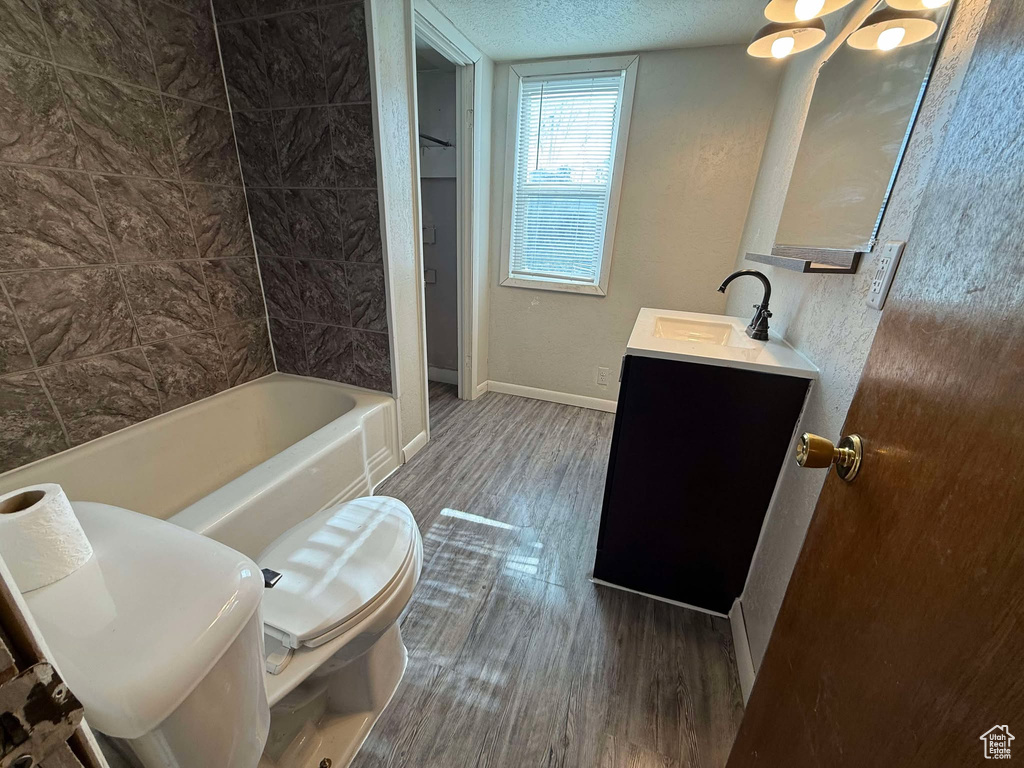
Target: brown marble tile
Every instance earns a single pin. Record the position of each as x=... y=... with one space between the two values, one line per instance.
x=147 y=219
x=280 y=6
x=200 y=8
x=14 y=354
x=21 y=28
x=246 y=350
x=203 y=142
x=220 y=220
x=71 y=313
x=324 y=292
x=120 y=129
x=355 y=160
x=185 y=51
x=295 y=64
x=329 y=350
x=304 y=146
x=103 y=394
x=49 y=219
x=35 y=126
x=270 y=226
x=257 y=148
x=289 y=346
x=281 y=286
x=187 y=369
x=235 y=292
x=360 y=225
x=102 y=36
x=29 y=429
x=227 y=10
x=367 y=296
x=245 y=68
x=346 y=58
x=371 y=355
x=315 y=223
x=167 y=299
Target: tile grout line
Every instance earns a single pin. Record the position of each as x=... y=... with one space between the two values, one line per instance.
x=245 y=195
x=334 y=169
x=314 y=7
x=321 y=105
x=123 y=175
x=116 y=80
x=126 y=264
x=284 y=198
x=53 y=404
x=188 y=208
x=35 y=369
x=92 y=185
x=140 y=346
x=17 y=321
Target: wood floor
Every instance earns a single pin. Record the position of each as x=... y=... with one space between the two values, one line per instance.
x=515 y=658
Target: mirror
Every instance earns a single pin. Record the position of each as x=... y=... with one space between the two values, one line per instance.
x=860 y=119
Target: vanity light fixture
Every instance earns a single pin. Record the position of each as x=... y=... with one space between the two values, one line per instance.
x=888 y=28
x=790 y=11
x=777 y=41
x=917 y=5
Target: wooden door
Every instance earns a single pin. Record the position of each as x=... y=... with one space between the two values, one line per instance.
x=901 y=641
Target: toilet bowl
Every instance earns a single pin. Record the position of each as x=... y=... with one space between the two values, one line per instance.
x=182 y=657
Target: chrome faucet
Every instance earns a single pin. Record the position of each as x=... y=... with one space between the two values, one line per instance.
x=758 y=328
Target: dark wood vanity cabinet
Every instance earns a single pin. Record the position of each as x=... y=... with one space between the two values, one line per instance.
x=695 y=457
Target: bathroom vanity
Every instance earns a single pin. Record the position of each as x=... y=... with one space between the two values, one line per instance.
x=703 y=426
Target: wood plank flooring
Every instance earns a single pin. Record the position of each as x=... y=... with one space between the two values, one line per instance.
x=515 y=658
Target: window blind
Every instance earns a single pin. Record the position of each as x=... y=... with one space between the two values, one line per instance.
x=565 y=149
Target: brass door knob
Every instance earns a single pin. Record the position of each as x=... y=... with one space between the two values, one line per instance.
x=816 y=451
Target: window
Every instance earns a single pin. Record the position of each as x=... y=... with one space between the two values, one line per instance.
x=567 y=129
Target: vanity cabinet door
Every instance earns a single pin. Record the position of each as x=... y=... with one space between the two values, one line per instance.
x=695 y=457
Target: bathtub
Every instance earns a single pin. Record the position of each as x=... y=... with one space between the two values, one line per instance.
x=242 y=466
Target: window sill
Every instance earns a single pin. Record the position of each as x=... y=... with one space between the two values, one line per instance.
x=554 y=285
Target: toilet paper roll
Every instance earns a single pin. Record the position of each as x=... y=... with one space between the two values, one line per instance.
x=41 y=540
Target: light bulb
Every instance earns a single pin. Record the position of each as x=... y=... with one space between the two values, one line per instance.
x=890 y=38
x=783 y=46
x=935 y=3
x=808 y=9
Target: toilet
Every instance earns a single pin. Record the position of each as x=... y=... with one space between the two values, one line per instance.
x=183 y=655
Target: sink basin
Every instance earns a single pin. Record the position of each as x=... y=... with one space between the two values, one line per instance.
x=695 y=337
x=700 y=331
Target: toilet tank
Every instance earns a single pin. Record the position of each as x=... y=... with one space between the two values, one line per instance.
x=160 y=637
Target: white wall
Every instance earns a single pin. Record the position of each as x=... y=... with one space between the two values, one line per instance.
x=698 y=125
x=825 y=317
x=391 y=68
x=436 y=92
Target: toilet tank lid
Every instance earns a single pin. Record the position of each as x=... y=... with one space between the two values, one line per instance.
x=334 y=564
x=139 y=626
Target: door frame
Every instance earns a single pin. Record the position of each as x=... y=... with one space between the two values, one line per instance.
x=472 y=99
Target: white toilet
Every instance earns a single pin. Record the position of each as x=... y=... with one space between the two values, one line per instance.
x=182 y=657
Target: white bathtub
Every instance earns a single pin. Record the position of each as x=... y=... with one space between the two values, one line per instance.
x=242 y=466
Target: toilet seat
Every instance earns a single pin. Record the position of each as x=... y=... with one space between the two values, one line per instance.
x=335 y=567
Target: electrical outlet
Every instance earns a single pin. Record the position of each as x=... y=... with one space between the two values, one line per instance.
x=888 y=260
x=602 y=377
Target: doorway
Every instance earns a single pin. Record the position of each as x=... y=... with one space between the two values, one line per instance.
x=437 y=129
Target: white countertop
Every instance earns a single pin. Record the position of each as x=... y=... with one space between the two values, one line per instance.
x=772 y=356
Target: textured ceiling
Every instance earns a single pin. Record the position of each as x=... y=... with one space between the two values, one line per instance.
x=528 y=29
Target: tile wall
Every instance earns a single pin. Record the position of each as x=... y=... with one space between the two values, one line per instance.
x=128 y=284
x=299 y=85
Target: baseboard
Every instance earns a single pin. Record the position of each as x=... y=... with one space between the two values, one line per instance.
x=649 y=596
x=414 y=446
x=565 y=398
x=481 y=388
x=443 y=375
x=740 y=644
